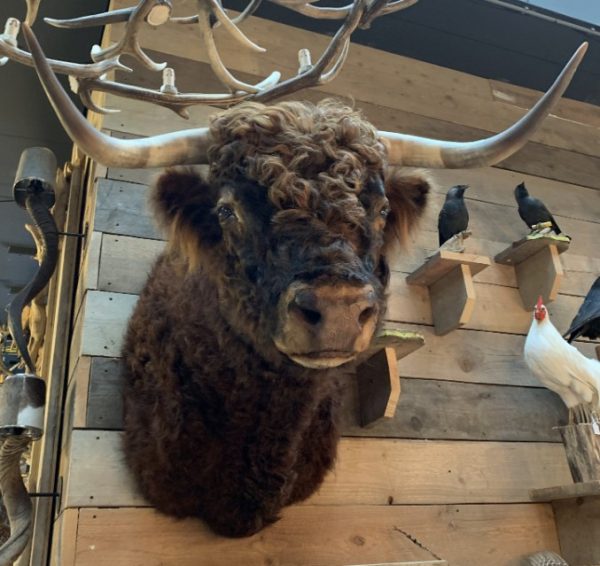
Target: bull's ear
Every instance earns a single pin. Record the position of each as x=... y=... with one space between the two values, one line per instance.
x=407 y=195
x=184 y=205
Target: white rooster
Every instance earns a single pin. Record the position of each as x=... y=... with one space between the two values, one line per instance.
x=562 y=368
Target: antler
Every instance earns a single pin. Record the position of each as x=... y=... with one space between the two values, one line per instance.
x=86 y=79
x=191 y=146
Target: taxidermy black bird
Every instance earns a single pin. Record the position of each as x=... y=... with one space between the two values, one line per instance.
x=532 y=210
x=587 y=320
x=454 y=217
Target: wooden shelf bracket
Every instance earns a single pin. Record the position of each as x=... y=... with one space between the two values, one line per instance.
x=537 y=266
x=378 y=378
x=449 y=277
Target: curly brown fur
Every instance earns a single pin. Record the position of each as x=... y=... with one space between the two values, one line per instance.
x=220 y=423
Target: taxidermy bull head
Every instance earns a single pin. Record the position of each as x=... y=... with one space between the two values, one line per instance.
x=275 y=276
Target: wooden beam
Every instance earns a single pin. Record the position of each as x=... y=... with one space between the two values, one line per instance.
x=569 y=491
x=428 y=409
x=64 y=541
x=441 y=93
x=322 y=536
x=368 y=472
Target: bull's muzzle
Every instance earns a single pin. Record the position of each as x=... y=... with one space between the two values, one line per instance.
x=327 y=325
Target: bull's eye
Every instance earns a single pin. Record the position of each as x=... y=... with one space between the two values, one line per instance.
x=384 y=212
x=225 y=212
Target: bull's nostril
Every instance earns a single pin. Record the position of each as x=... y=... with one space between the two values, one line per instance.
x=310 y=316
x=365 y=315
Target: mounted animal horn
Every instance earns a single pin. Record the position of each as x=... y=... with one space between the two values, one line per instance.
x=190 y=146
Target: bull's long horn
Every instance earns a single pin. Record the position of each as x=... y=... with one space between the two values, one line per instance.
x=183 y=147
x=190 y=146
x=423 y=152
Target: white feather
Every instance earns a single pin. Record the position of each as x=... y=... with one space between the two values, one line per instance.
x=560 y=367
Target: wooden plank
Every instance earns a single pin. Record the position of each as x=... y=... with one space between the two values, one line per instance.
x=569 y=491
x=88 y=278
x=498 y=309
x=533 y=159
x=125 y=262
x=444 y=261
x=577 y=280
x=578 y=525
x=420 y=563
x=525 y=98
x=501 y=223
x=322 y=536
x=436 y=410
x=494 y=185
x=368 y=472
x=527 y=247
x=77 y=397
x=494 y=225
x=105 y=315
x=103 y=322
x=441 y=93
x=580 y=270
x=64 y=541
x=122 y=208
x=105 y=402
x=472 y=357
x=428 y=409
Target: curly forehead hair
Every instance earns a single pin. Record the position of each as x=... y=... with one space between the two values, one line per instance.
x=302 y=152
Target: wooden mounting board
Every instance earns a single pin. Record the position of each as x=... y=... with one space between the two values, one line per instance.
x=570 y=491
x=403 y=342
x=442 y=262
x=519 y=251
x=378 y=387
x=378 y=377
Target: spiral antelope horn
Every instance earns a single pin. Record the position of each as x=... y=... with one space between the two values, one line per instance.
x=190 y=146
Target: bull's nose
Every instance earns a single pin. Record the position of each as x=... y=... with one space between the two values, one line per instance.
x=326 y=325
x=334 y=309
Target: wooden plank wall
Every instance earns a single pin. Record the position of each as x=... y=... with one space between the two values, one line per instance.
x=448 y=478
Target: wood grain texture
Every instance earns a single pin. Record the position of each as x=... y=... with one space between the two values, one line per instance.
x=125 y=262
x=122 y=208
x=578 y=525
x=497 y=309
x=494 y=226
x=368 y=472
x=439 y=93
x=427 y=409
x=569 y=491
x=101 y=323
x=452 y=299
x=64 y=541
x=322 y=536
x=444 y=261
x=434 y=409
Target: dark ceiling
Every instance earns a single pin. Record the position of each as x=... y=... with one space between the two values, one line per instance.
x=480 y=37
